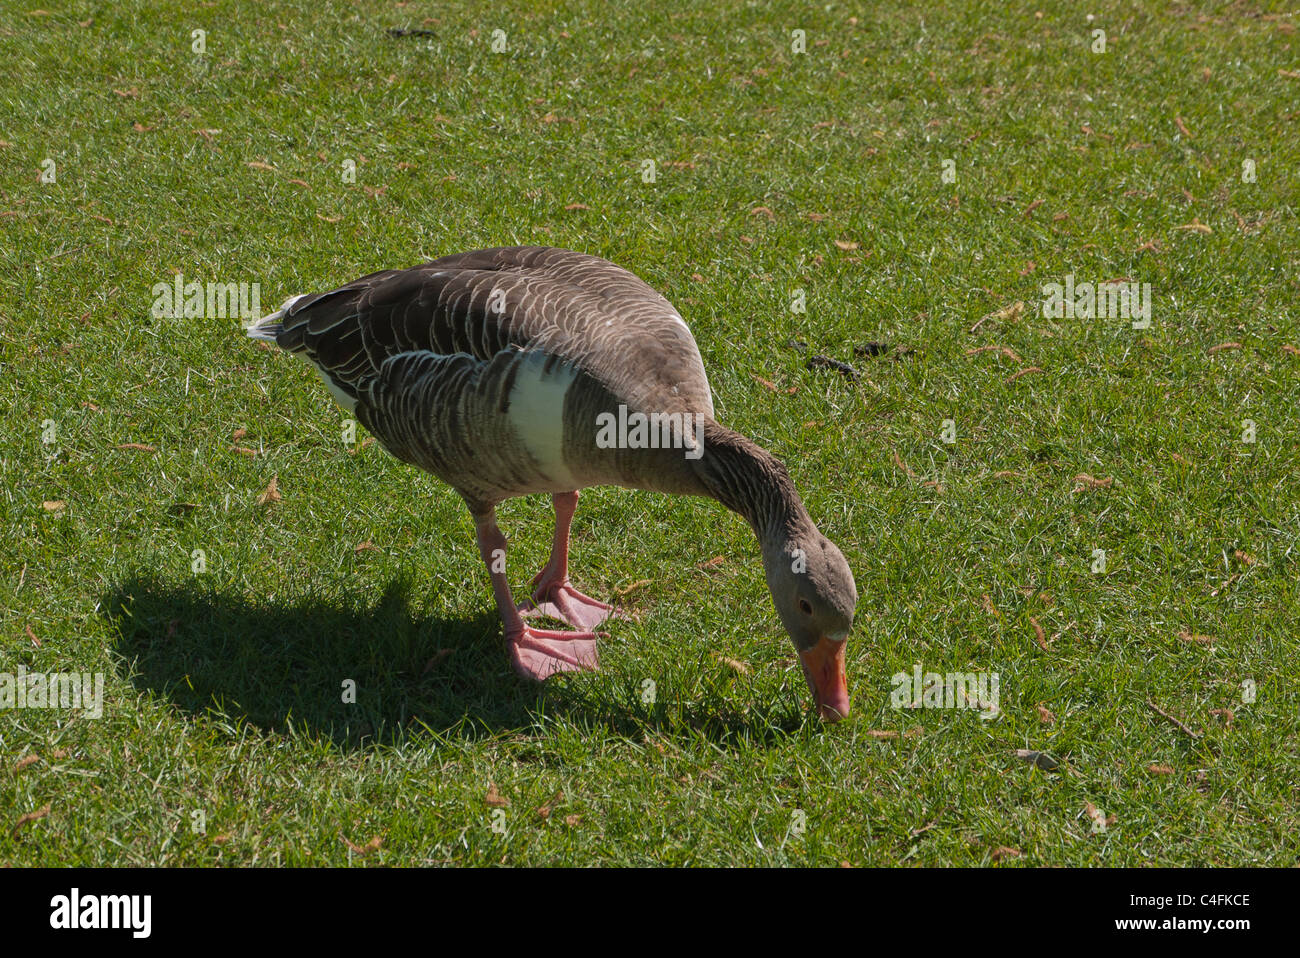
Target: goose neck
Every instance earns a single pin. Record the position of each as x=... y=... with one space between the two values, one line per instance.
x=750 y=481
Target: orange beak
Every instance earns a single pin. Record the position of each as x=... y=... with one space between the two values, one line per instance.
x=823 y=667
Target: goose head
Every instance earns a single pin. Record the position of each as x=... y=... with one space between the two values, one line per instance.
x=814 y=594
x=810 y=581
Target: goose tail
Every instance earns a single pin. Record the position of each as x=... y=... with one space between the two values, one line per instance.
x=268 y=327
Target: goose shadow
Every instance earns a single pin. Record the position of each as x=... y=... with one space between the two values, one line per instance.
x=294 y=665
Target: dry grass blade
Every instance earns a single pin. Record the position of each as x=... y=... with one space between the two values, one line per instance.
x=1178 y=723
x=271 y=493
x=29 y=817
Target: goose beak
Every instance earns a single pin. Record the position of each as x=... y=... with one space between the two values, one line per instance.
x=823 y=667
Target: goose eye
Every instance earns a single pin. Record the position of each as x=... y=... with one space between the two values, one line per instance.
x=805 y=607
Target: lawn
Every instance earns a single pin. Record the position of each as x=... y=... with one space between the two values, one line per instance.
x=1105 y=517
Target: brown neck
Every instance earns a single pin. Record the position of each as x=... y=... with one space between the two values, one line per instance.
x=749 y=480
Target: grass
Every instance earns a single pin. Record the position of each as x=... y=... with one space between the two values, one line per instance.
x=223 y=703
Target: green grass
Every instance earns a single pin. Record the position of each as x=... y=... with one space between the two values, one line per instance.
x=224 y=688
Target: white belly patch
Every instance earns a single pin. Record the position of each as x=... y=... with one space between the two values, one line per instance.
x=537 y=413
x=340 y=397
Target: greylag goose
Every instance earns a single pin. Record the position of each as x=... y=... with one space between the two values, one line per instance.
x=529 y=369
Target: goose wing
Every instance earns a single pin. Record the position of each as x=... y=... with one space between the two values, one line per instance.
x=579 y=308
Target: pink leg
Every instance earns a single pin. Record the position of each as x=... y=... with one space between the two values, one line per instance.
x=536 y=653
x=553 y=595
